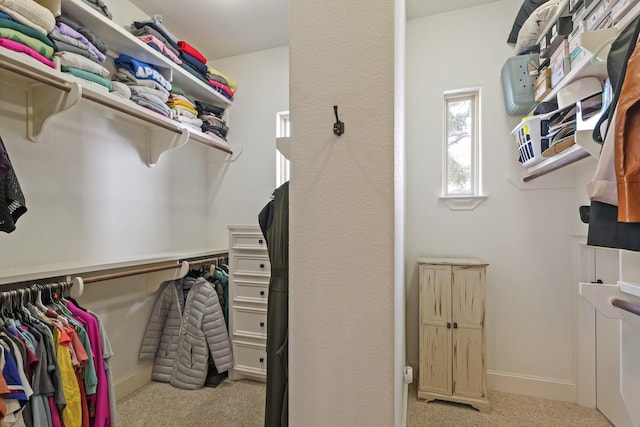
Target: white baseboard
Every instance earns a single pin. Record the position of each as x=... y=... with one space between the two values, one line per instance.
x=526 y=385
x=546 y=388
x=132 y=382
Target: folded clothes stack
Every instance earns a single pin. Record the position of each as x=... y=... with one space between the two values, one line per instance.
x=183 y=108
x=212 y=122
x=157 y=36
x=80 y=51
x=24 y=26
x=147 y=85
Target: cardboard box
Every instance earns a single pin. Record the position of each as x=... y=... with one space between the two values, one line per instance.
x=543 y=84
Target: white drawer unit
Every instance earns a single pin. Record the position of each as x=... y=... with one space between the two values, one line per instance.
x=250 y=359
x=249 y=272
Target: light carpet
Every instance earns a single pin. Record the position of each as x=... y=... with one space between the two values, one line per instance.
x=241 y=404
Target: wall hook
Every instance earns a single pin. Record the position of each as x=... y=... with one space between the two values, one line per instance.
x=338 y=126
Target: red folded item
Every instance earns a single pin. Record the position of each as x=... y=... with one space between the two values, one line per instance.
x=223 y=87
x=187 y=48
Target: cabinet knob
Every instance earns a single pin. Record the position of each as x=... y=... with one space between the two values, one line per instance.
x=448 y=325
x=260 y=241
x=262 y=324
x=262 y=360
x=261 y=293
x=261 y=265
x=455 y=325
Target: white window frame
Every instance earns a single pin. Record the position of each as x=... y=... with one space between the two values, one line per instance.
x=457 y=201
x=283 y=130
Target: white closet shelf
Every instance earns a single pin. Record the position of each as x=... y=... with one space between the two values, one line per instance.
x=565 y=158
x=50 y=92
x=119 y=40
x=28 y=273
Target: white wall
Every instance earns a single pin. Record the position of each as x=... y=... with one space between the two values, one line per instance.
x=240 y=189
x=91 y=198
x=341 y=324
x=524 y=235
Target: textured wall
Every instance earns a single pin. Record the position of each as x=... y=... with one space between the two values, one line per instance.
x=524 y=234
x=341 y=334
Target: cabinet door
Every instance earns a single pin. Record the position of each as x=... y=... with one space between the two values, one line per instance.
x=468 y=312
x=435 y=335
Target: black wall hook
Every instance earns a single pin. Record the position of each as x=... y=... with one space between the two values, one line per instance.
x=338 y=126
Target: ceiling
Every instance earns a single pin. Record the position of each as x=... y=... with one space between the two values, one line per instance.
x=223 y=28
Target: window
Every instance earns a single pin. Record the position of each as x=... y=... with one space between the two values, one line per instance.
x=461 y=177
x=283 y=130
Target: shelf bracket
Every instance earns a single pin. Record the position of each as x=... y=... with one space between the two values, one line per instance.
x=44 y=102
x=160 y=140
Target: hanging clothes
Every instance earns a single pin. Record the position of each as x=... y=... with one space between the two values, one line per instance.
x=274 y=223
x=186 y=328
x=45 y=354
x=12 y=201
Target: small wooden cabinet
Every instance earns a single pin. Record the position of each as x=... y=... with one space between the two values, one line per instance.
x=453 y=363
x=249 y=272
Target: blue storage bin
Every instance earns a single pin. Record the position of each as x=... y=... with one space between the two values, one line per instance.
x=518 y=85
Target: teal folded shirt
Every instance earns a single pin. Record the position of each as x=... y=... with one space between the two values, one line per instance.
x=88 y=76
x=25 y=30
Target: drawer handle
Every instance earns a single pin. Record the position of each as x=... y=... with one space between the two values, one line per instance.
x=260 y=241
x=261 y=293
x=455 y=325
x=262 y=360
x=262 y=324
x=261 y=265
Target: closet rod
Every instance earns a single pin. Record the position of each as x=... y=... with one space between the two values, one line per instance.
x=35 y=76
x=147 y=270
x=626 y=306
x=130 y=273
x=206 y=261
x=131 y=112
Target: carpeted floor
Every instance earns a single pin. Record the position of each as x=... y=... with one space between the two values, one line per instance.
x=241 y=404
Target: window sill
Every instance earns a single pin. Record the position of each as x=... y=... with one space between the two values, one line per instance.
x=462 y=203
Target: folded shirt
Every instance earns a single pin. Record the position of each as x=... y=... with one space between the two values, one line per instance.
x=34 y=12
x=126 y=77
x=147 y=30
x=5 y=16
x=73 y=46
x=154 y=106
x=204 y=107
x=178 y=91
x=159 y=28
x=19 y=47
x=199 y=66
x=185 y=47
x=225 y=90
x=100 y=7
x=77 y=25
x=70 y=32
x=157 y=44
x=71 y=59
x=232 y=85
x=24 y=29
x=120 y=89
x=33 y=43
x=152 y=94
x=86 y=75
x=23 y=20
x=141 y=70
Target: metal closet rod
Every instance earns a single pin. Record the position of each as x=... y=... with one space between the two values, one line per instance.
x=626 y=306
x=148 y=270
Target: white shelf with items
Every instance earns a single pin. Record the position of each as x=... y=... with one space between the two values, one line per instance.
x=119 y=40
x=51 y=92
x=592 y=64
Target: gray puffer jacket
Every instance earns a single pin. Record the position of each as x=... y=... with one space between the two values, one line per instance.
x=181 y=334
